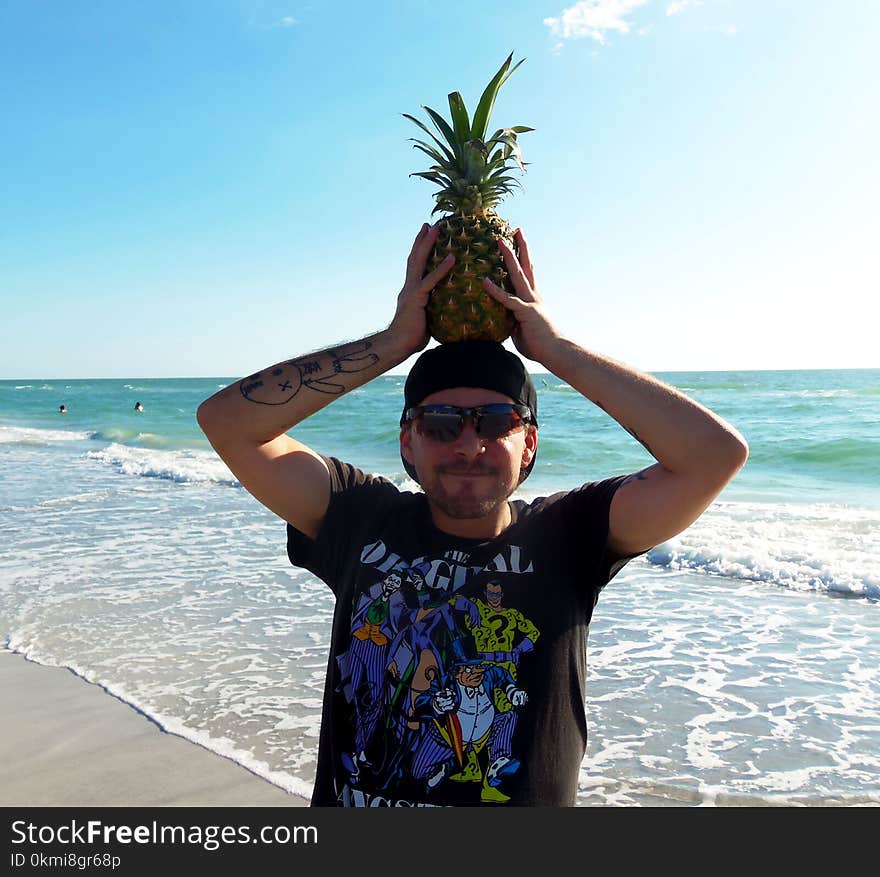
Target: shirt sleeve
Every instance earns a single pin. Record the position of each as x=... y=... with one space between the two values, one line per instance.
x=355 y=499
x=585 y=513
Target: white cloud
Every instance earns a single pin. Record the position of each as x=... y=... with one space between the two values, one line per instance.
x=593 y=19
x=679 y=6
x=288 y=21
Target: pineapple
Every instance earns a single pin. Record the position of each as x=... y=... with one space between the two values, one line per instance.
x=473 y=175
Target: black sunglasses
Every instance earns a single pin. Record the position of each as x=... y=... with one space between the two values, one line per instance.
x=444 y=423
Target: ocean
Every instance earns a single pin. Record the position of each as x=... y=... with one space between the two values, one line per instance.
x=733 y=665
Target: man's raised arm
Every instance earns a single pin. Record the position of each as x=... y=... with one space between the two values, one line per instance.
x=247 y=421
x=697 y=452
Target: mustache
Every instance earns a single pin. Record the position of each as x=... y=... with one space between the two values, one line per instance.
x=463 y=468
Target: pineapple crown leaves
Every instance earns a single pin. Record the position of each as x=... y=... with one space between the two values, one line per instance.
x=465 y=164
x=487 y=101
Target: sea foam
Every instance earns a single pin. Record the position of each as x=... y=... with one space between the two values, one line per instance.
x=820 y=547
x=24 y=435
x=183 y=466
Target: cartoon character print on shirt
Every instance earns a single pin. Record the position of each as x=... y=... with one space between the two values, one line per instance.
x=504 y=634
x=431 y=676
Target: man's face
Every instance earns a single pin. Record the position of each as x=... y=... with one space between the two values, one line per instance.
x=468 y=477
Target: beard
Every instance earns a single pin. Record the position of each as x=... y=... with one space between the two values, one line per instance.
x=475 y=498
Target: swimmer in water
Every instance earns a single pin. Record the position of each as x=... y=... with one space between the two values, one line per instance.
x=138 y=406
x=62 y=409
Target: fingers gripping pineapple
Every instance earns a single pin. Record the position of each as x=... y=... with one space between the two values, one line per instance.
x=473 y=174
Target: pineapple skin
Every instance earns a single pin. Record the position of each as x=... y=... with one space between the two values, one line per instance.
x=459 y=309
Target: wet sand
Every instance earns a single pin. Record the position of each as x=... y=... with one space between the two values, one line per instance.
x=67 y=742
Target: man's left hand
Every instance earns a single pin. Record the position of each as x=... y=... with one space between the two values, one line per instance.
x=534 y=335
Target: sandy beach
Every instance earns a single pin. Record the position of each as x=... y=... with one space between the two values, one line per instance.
x=66 y=742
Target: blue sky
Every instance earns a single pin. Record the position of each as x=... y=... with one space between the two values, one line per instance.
x=206 y=188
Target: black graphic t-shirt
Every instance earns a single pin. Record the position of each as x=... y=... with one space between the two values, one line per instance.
x=457 y=666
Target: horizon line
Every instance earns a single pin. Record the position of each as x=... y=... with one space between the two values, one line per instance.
x=391 y=373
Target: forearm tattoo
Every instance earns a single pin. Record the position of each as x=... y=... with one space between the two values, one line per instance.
x=279 y=385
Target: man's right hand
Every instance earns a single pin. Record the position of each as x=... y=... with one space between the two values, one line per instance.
x=409 y=326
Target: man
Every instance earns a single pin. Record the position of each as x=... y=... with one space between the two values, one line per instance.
x=469 y=436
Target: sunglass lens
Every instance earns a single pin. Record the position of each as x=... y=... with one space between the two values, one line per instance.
x=494 y=425
x=439 y=426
